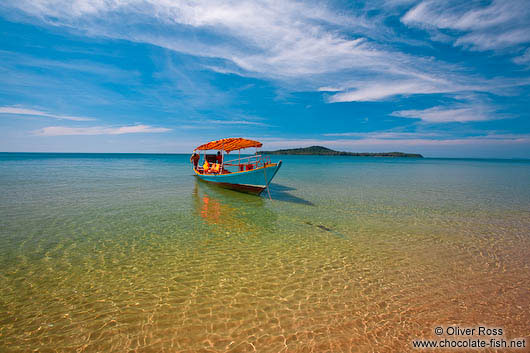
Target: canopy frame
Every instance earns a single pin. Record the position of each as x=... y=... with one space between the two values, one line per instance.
x=229 y=144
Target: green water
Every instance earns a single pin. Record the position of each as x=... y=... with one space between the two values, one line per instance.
x=131 y=252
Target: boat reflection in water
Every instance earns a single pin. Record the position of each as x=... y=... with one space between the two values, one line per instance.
x=231 y=212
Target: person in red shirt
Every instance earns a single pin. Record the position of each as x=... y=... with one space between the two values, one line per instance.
x=194 y=159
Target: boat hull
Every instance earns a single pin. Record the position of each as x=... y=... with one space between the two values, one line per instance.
x=250 y=181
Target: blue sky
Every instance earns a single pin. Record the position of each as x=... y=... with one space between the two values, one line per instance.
x=437 y=77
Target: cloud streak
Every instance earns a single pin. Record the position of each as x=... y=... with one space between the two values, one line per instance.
x=98 y=130
x=233 y=122
x=524 y=59
x=390 y=143
x=39 y=113
x=377 y=91
x=388 y=135
x=283 y=38
x=302 y=45
x=498 y=25
x=460 y=113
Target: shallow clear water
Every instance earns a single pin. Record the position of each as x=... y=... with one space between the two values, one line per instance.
x=131 y=252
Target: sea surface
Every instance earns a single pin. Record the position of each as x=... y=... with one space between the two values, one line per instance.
x=130 y=252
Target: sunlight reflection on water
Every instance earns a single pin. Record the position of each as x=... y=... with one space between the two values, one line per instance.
x=114 y=254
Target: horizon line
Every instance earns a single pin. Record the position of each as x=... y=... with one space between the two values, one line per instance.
x=185 y=153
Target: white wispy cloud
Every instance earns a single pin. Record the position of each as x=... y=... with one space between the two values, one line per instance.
x=370 y=143
x=33 y=112
x=99 y=69
x=481 y=26
x=415 y=82
x=284 y=38
x=329 y=89
x=523 y=59
x=383 y=89
x=390 y=135
x=217 y=123
x=233 y=122
x=98 y=130
x=457 y=113
x=302 y=44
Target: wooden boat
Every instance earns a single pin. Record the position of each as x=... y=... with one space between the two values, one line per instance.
x=251 y=174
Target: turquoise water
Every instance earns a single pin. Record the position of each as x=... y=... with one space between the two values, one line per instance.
x=103 y=252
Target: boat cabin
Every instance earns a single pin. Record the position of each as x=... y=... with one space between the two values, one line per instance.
x=220 y=163
x=247 y=173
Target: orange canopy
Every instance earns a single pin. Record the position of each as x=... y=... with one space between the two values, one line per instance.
x=229 y=144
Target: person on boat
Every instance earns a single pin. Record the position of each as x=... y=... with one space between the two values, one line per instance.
x=219 y=159
x=216 y=168
x=205 y=166
x=195 y=159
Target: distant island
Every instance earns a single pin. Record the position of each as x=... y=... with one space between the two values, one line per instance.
x=324 y=151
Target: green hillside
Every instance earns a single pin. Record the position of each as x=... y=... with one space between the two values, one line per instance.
x=324 y=151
